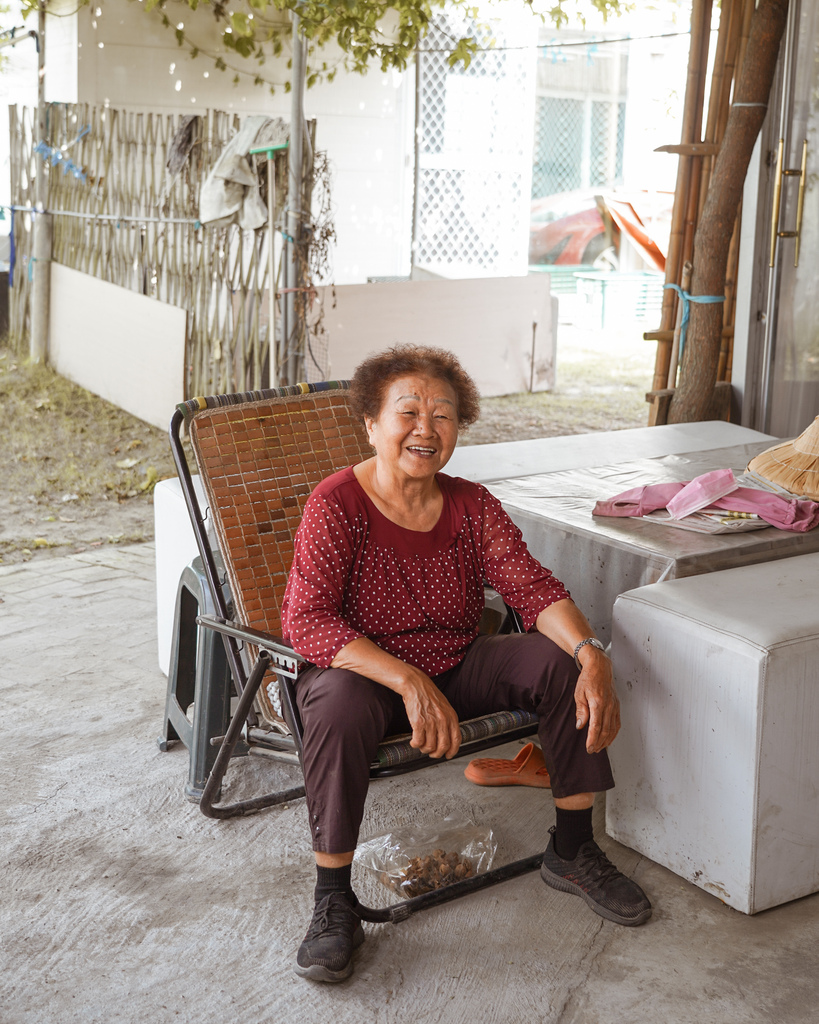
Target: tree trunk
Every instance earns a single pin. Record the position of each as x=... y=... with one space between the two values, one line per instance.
x=713 y=238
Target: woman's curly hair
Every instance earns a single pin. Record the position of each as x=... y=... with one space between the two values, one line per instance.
x=372 y=378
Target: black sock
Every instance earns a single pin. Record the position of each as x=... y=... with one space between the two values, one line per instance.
x=334 y=880
x=573 y=829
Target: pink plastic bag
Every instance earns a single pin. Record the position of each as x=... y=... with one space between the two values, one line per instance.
x=701 y=492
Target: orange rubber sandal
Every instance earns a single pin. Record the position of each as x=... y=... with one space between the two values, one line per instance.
x=527 y=769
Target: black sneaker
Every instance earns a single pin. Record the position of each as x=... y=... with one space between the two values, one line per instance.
x=326 y=954
x=592 y=876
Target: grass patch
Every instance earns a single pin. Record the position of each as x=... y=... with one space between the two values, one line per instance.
x=61 y=444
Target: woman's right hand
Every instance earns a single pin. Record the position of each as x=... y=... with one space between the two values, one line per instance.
x=435 y=729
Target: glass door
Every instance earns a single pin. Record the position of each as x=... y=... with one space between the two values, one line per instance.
x=790 y=377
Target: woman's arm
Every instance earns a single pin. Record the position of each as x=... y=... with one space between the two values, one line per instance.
x=435 y=729
x=544 y=602
x=323 y=557
x=595 y=699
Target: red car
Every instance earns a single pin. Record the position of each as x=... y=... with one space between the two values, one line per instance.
x=567 y=229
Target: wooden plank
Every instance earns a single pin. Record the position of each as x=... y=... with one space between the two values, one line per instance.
x=690 y=149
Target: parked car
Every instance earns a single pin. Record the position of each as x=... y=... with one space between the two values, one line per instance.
x=568 y=229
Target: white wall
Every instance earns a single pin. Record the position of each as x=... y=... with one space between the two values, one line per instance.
x=18 y=76
x=362 y=121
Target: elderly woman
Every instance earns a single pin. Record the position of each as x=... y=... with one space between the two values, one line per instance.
x=384 y=598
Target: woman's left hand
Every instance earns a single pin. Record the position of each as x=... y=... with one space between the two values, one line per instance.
x=596 y=702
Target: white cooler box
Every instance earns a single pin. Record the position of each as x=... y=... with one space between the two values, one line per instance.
x=175 y=548
x=717 y=763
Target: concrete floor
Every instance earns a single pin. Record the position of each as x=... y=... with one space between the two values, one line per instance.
x=122 y=903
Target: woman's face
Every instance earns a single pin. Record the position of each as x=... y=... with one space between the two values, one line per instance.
x=417 y=426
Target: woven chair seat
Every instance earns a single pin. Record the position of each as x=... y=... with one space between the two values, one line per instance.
x=396 y=750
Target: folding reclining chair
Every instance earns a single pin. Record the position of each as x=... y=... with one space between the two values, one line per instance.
x=259 y=455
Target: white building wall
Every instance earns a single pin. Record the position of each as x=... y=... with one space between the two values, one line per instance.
x=656 y=91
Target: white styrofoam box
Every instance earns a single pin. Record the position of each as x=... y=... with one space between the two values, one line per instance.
x=717 y=762
x=175 y=548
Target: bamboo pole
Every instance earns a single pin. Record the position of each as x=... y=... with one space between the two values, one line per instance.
x=694 y=396
x=731 y=64
x=747 y=15
x=695 y=182
x=729 y=307
x=737 y=14
x=692 y=121
x=727 y=18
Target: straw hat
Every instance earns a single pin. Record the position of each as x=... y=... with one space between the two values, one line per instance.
x=792 y=465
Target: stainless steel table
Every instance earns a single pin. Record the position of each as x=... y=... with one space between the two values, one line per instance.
x=598 y=558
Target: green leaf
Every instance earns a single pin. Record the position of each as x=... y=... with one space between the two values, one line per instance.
x=244 y=46
x=241 y=24
x=353 y=25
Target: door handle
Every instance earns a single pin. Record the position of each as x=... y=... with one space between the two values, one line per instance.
x=788 y=172
x=800 y=202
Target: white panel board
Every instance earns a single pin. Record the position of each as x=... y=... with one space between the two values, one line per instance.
x=125 y=347
x=502 y=329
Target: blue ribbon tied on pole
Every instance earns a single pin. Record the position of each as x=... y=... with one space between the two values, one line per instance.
x=687 y=298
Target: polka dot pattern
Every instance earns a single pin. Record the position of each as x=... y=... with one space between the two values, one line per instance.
x=419 y=596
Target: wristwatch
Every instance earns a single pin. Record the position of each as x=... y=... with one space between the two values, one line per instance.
x=594 y=643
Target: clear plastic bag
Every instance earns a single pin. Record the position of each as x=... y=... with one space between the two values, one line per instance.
x=418 y=859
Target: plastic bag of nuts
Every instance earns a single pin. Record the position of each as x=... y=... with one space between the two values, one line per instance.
x=418 y=859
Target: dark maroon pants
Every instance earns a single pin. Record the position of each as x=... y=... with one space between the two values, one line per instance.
x=345 y=716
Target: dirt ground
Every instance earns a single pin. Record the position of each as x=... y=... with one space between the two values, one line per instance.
x=79 y=472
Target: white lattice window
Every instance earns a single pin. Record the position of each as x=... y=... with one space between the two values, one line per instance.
x=580 y=116
x=474 y=153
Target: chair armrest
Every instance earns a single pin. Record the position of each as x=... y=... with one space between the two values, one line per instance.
x=284 y=659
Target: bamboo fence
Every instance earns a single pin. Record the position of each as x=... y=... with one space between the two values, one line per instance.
x=124 y=194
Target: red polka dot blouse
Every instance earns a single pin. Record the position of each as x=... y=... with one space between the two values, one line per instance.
x=419 y=596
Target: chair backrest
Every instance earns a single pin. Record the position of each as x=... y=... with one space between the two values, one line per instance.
x=259 y=457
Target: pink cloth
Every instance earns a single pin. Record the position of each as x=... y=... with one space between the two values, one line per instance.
x=419 y=596
x=783 y=513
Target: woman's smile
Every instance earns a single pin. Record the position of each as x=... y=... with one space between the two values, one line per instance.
x=417 y=426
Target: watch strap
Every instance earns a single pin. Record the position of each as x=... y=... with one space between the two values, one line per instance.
x=592 y=641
